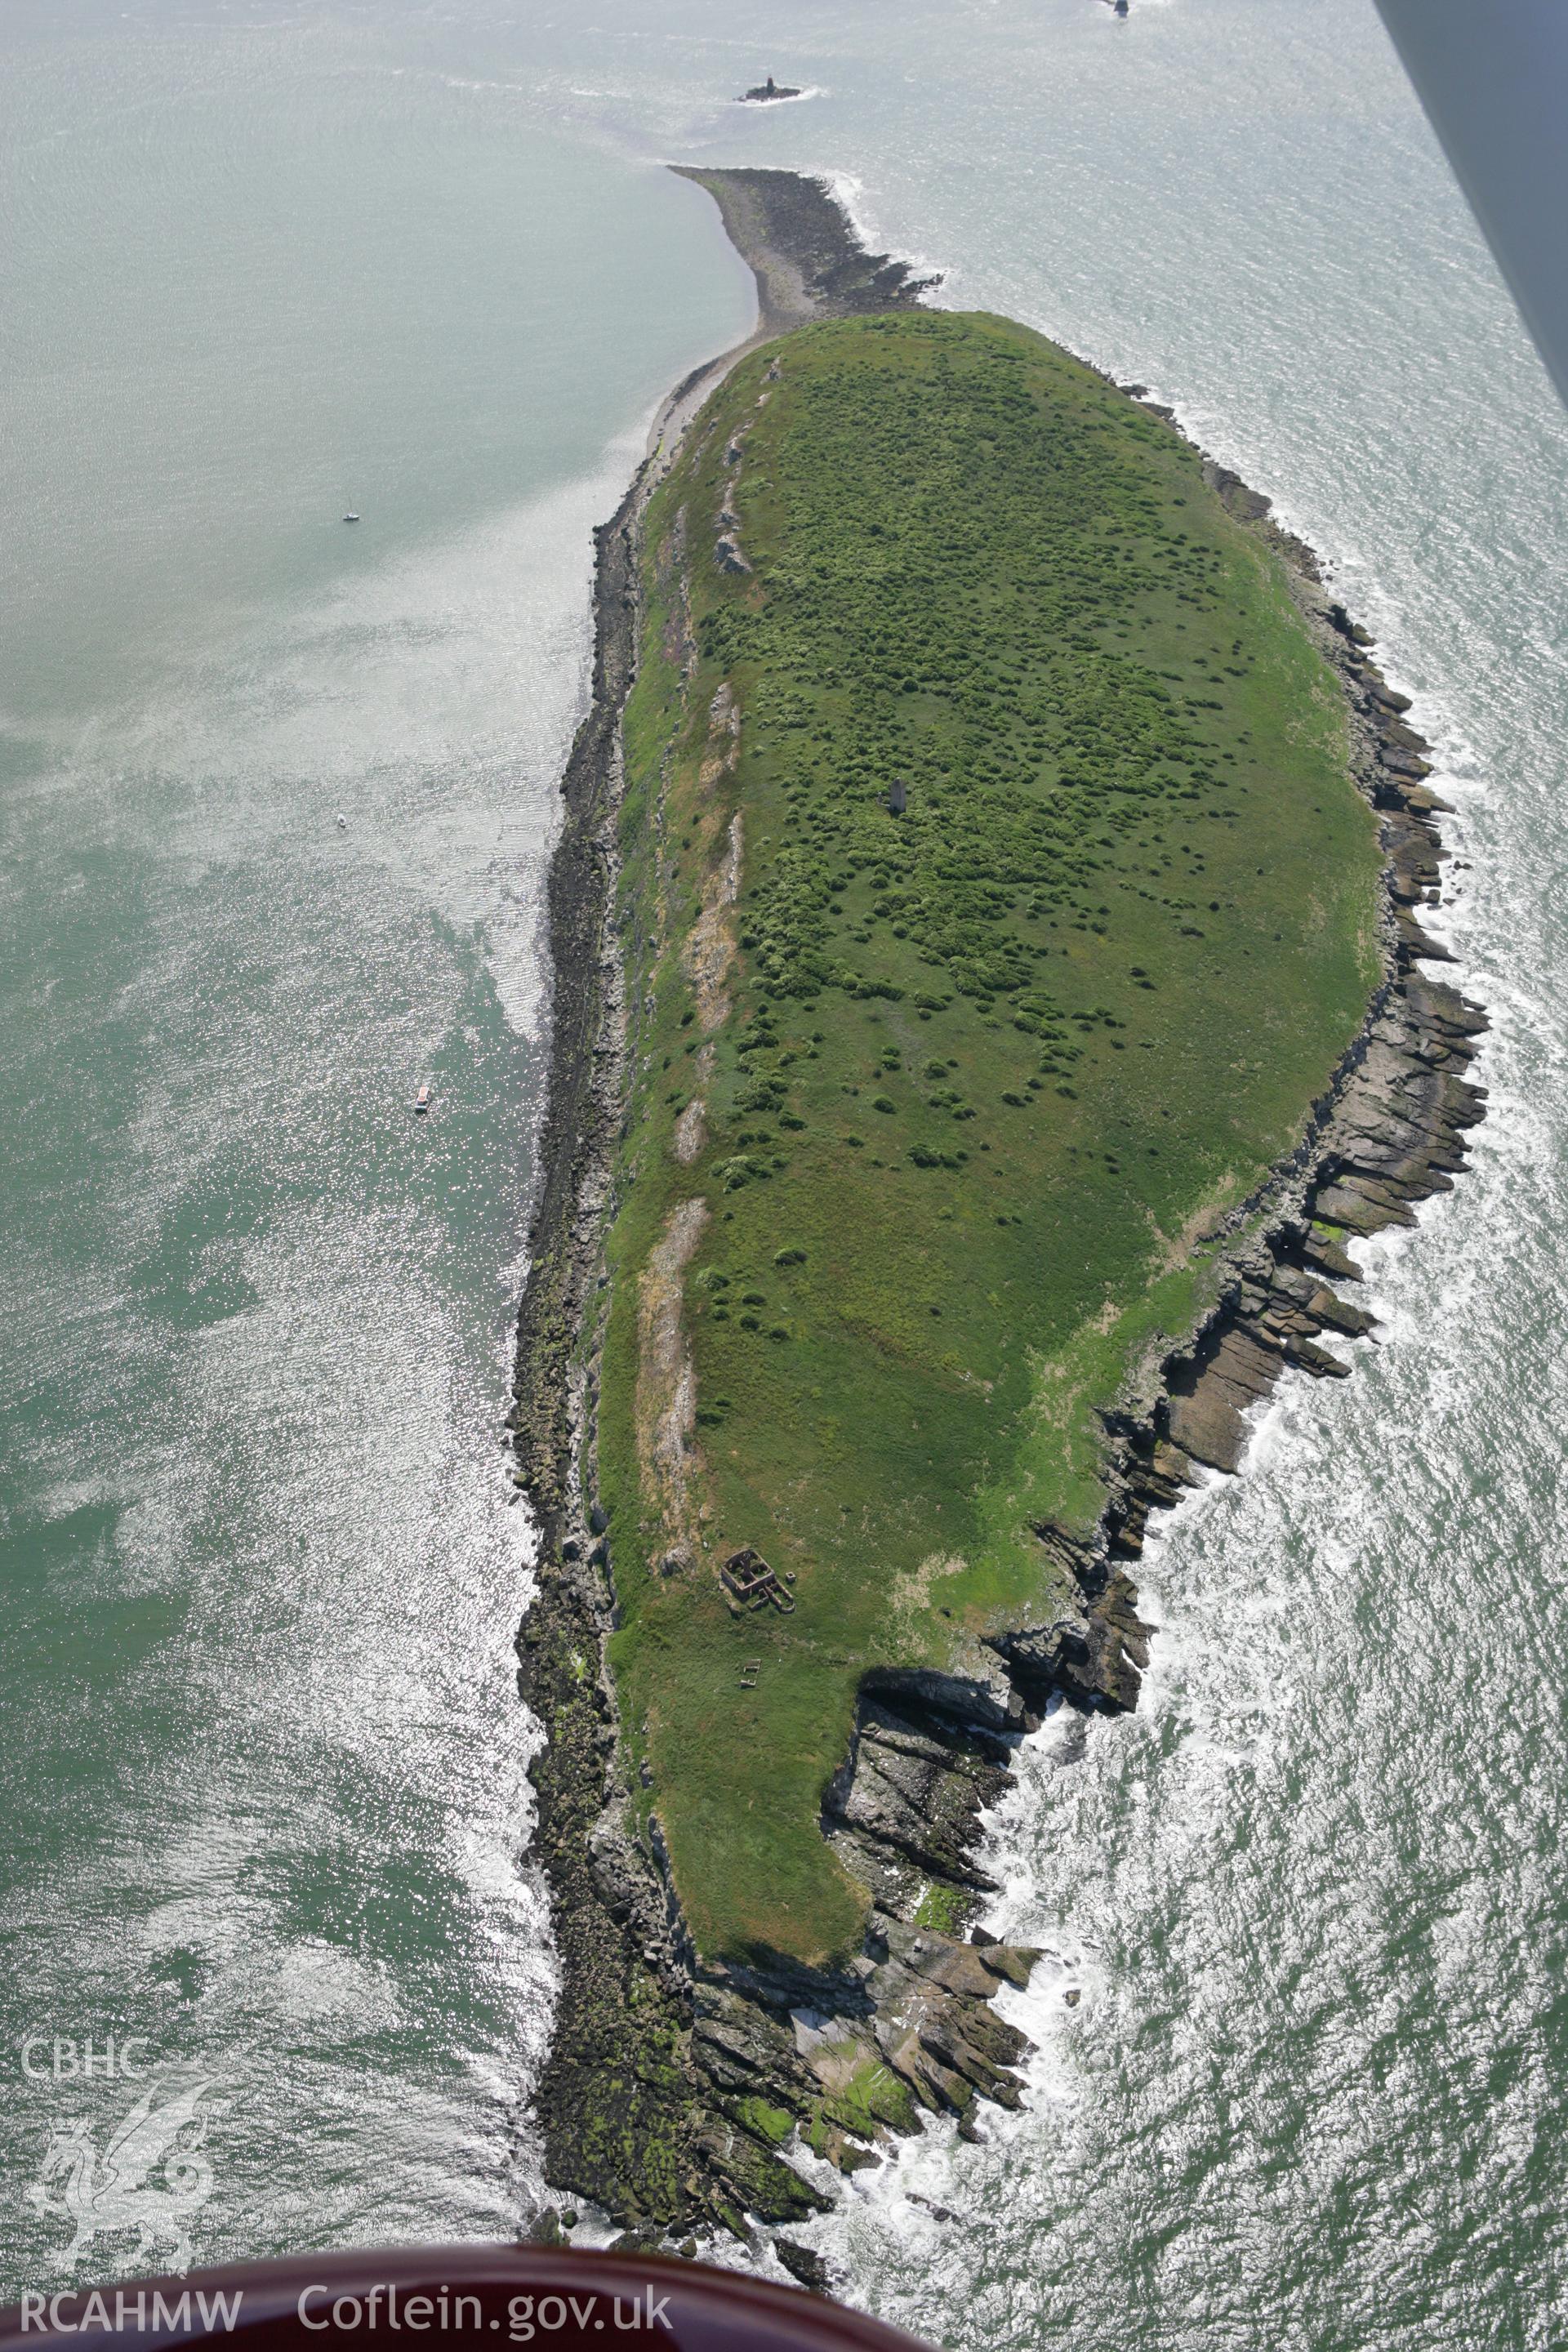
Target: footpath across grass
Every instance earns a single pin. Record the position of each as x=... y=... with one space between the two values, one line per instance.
x=1056 y=908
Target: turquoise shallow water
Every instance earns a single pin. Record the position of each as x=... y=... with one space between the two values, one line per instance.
x=264 y=1780
x=267 y=1776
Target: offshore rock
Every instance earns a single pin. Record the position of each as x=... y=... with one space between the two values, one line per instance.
x=803 y=2265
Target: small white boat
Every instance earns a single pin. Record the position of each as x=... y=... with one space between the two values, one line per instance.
x=422 y=1099
x=352 y=516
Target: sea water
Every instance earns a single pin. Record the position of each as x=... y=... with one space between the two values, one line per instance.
x=280 y=793
x=264 y=1768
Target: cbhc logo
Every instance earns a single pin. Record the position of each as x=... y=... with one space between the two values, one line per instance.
x=60 y=2058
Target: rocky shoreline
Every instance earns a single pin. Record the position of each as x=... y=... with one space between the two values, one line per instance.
x=672 y=2085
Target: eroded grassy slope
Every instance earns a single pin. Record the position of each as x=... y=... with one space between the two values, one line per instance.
x=971 y=1082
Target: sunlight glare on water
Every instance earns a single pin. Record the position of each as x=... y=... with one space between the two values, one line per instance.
x=278 y=806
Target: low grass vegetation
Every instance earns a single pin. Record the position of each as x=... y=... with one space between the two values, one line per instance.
x=983 y=1075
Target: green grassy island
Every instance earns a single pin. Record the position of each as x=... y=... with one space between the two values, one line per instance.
x=995 y=903
x=986 y=939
